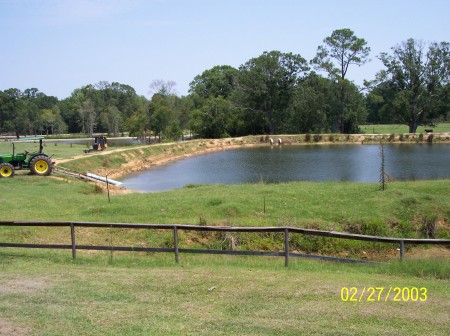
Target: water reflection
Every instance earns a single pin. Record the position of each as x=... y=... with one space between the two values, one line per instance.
x=359 y=163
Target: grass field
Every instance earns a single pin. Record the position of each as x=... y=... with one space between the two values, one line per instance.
x=401 y=129
x=56 y=150
x=44 y=293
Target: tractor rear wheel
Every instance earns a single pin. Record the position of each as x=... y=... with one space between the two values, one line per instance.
x=41 y=165
x=7 y=170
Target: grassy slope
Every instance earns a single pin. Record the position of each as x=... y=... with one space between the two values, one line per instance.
x=404 y=209
x=326 y=204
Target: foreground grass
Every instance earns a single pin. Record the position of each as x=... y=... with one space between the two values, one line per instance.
x=44 y=293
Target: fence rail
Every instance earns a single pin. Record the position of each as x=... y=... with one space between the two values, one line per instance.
x=177 y=250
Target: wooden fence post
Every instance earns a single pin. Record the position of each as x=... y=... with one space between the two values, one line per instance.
x=72 y=237
x=402 y=249
x=175 y=240
x=286 y=247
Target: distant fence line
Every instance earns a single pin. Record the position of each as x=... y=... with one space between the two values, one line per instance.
x=177 y=250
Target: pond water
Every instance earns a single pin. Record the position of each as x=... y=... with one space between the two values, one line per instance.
x=358 y=163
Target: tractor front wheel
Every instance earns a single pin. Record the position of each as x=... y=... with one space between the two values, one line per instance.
x=41 y=165
x=7 y=170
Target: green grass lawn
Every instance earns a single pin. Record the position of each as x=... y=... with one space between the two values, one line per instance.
x=401 y=129
x=56 y=150
x=44 y=293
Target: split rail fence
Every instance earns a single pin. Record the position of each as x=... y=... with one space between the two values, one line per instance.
x=175 y=228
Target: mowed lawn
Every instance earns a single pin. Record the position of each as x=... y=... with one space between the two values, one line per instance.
x=44 y=293
x=56 y=150
x=401 y=129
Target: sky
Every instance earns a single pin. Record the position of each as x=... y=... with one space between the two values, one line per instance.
x=58 y=46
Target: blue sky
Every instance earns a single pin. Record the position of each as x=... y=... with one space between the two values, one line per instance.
x=60 y=45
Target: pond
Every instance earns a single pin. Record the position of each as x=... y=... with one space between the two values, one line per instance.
x=356 y=163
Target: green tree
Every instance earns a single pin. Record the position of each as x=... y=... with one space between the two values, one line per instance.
x=52 y=121
x=45 y=102
x=111 y=119
x=173 y=130
x=415 y=84
x=69 y=113
x=116 y=97
x=265 y=86
x=111 y=106
x=88 y=116
x=219 y=81
x=10 y=111
x=160 y=118
x=163 y=113
x=48 y=120
x=20 y=112
x=340 y=50
x=314 y=107
x=138 y=124
x=185 y=113
x=21 y=121
x=4 y=111
x=355 y=109
x=59 y=125
x=210 y=120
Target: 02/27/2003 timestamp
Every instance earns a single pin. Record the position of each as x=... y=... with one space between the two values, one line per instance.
x=384 y=294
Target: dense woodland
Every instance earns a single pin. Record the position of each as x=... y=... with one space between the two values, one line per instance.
x=272 y=93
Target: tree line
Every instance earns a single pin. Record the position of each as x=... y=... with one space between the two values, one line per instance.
x=273 y=93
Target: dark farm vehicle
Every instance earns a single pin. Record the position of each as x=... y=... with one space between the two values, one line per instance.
x=38 y=162
x=99 y=143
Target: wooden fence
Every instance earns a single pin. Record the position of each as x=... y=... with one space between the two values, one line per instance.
x=175 y=228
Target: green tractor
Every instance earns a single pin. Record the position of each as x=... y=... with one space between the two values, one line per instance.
x=39 y=163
